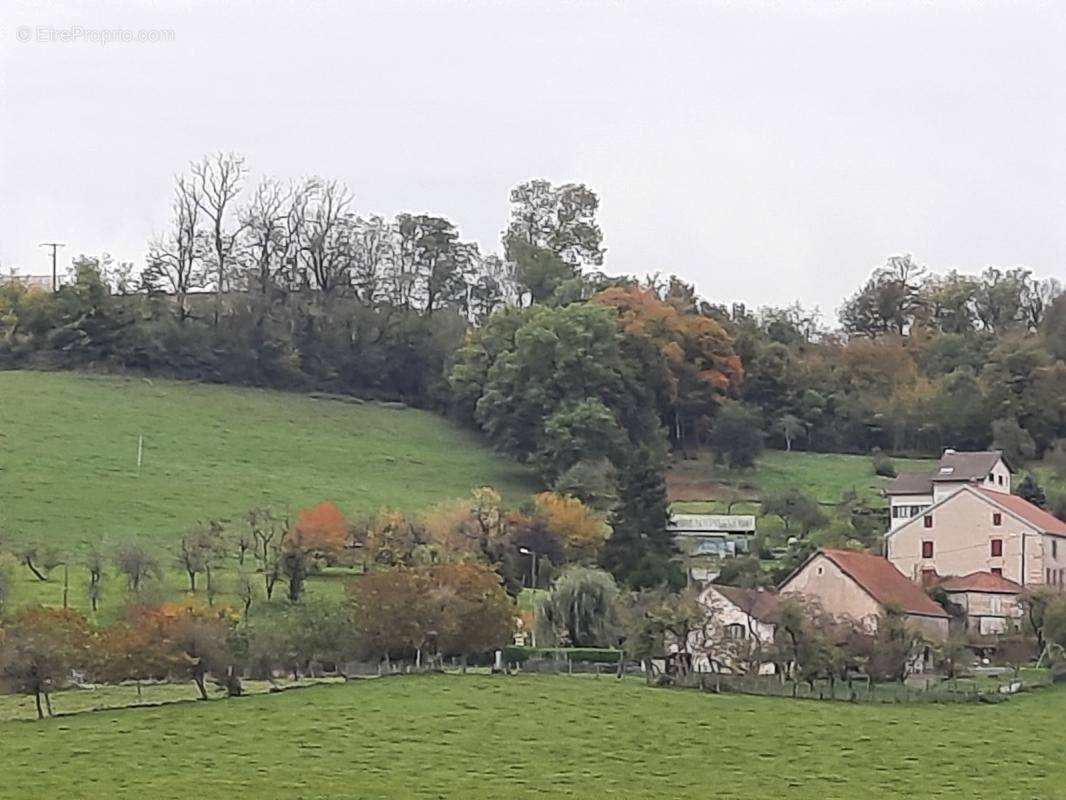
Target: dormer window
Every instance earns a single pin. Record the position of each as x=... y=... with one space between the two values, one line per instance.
x=947 y=470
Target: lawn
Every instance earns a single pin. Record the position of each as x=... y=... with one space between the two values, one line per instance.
x=68 y=457
x=824 y=476
x=539 y=736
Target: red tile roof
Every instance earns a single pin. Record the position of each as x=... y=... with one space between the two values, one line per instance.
x=1034 y=515
x=981 y=582
x=883 y=582
x=760 y=604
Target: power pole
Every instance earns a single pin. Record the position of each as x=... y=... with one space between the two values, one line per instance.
x=55 y=247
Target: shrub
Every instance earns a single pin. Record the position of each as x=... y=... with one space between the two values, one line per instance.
x=883 y=465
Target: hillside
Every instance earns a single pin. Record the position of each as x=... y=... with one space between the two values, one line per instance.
x=68 y=456
x=453 y=736
x=824 y=476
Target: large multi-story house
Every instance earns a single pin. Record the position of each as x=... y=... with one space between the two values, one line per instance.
x=962 y=519
x=911 y=493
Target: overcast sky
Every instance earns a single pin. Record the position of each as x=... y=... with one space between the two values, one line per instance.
x=768 y=152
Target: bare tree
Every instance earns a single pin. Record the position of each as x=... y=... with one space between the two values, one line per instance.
x=326 y=234
x=137 y=564
x=176 y=260
x=265 y=230
x=219 y=180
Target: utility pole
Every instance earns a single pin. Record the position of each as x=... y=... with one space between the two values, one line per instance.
x=55 y=278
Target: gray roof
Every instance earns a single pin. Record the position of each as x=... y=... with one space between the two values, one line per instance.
x=966 y=466
x=911 y=483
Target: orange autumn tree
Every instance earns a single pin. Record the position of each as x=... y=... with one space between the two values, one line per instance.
x=696 y=365
x=40 y=648
x=319 y=533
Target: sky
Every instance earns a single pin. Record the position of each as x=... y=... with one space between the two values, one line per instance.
x=767 y=152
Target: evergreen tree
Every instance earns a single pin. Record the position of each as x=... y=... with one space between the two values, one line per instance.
x=1029 y=489
x=640 y=550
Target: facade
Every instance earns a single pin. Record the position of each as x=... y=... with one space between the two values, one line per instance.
x=910 y=494
x=705 y=539
x=989 y=601
x=978 y=529
x=863 y=587
x=739 y=632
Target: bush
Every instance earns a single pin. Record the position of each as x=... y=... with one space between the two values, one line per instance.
x=883 y=465
x=513 y=654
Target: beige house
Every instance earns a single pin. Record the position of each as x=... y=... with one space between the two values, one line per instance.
x=989 y=601
x=911 y=493
x=977 y=529
x=863 y=587
x=739 y=632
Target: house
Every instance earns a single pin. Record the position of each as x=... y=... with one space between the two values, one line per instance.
x=739 y=631
x=705 y=539
x=989 y=601
x=981 y=529
x=863 y=587
x=911 y=493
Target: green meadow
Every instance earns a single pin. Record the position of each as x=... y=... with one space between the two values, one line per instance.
x=68 y=457
x=539 y=736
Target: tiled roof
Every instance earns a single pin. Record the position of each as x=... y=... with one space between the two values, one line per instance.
x=966 y=466
x=980 y=582
x=911 y=483
x=1040 y=519
x=760 y=604
x=883 y=582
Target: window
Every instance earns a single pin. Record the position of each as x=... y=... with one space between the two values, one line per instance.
x=997 y=519
x=927 y=549
x=997 y=548
x=1000 y=479
x=735 y=631
x=928 y=521
x=997 y=571
x=1054 y=548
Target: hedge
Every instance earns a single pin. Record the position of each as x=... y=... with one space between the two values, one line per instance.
x=591 y=655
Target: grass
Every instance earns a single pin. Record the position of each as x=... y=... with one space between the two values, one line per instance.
x=68 y=450
x=525 y=737
x=824 y=476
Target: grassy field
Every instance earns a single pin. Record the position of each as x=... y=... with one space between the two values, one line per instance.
x=524 y=737
x=68 y=450
x=824 y=476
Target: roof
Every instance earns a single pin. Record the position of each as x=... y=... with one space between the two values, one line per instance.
x=975 y=466
x=760 y=604
x=710 y=524
x=883 y=582
x=911 y=483
x=1040 y=519
x=980 y=582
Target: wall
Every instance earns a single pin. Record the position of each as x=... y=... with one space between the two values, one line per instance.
x=898 y=500
x=1053 y=550
x=839 y=595
x=712 y=643
x=961 y=534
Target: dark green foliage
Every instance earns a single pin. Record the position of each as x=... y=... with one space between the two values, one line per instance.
x=883 y=465
x=1029 y=489
x=737 y=436
x=799 y=512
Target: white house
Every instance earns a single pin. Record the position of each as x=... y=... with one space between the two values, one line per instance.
x=739 y=630
x=989 y=601
x=911 y=493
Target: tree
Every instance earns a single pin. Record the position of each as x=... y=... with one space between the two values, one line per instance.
x=392 y=614
x=791 y=427
x=580 y=530
x=41 y=560
x=594 y=483
x=175 y=262
x=888 y=302
x=40 y=648
x=896 y=645
x=1029 y=489
x=137 y=564
x=474 y=613
x=737 y=436
x=320 y=532
x=1034 y=602
x=219 y=179
x=95 y=564
x=582 y=609
x=659 y=621
x=268 y=532
x=794 y=507
x=640 y=549
x=200 y=547
x=802 y=641
x=1015 y=442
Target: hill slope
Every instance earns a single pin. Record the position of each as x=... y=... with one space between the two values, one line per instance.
x=517 y=737
x=68 y=456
